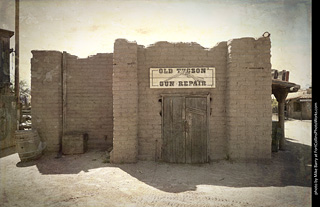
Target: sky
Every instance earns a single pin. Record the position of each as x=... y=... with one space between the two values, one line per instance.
x=87 y=27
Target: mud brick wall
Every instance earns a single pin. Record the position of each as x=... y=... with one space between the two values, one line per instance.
x=8 y=120
x=165 y=54
x=122 y=108
x=240 y=118
x=248 y=98
x=89 y=98
x=125 y=102
x=46 y=96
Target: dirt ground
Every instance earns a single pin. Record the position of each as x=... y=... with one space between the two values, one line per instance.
x=87 y=180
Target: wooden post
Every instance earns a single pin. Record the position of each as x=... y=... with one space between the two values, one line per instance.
x=281 y=95
x=16 y=71
x=281 y=123
x=16 y=62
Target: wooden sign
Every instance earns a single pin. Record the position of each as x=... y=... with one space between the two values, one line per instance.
x=192 y=77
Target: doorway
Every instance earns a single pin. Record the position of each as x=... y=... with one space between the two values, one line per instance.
x=185 y=128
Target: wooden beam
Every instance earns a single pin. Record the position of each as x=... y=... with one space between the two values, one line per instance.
x=289 y=86
x=281 y=95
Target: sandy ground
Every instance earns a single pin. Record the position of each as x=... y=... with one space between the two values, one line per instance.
x=86 y=180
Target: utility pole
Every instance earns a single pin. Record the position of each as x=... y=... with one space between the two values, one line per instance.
x=16 y=71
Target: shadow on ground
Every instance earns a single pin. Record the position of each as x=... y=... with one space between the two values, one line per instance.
x=51 y=163
x=7 y=151
x=287 y=168
x=291 y=167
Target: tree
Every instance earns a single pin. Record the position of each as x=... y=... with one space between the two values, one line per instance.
x=274 y=105
x=24 y=89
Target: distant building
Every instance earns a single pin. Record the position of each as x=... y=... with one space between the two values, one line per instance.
x=298 y=105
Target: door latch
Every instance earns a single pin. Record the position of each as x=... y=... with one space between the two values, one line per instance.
x=186 y=126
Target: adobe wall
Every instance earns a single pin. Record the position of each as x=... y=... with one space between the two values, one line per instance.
x=87 y=105
x=109 y=97
x=305 y=112
x=240 y=118
x=164 y=54
x=125 y=102
x=89 y=98
x=46 y=87
x=8 y=119
x=137 y=120
x=248 y=99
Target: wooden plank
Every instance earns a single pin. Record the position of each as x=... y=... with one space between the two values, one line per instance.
x=166 y=131
x=207 y=158
x=173 y=130
x=196 y=103
x=196 y=138
x=189 y=135
x=178 y=129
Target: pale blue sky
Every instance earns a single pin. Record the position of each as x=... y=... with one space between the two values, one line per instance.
x=87 y=27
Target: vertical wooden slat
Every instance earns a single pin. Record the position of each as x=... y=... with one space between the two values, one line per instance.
x=173 y=130
x=178 y=130
x=188 y=136
x=196 y=139
x=208 y=128
x=172 y=156
x=166 y=125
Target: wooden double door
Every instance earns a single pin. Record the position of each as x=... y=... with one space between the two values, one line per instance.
x=185 y=128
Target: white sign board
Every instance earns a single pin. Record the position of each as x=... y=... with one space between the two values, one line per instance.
x=192 y=77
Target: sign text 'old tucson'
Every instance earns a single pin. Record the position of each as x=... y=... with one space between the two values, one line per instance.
x=193 y=77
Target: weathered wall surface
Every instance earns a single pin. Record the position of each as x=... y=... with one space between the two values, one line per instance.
x=240 y=109
x=248 y=98
x=46 y=96
x=164 y=54
x=131 y=69
x=125 y=102
x=8 y=120
x=88 y=99
x=240 y=118
x=305 y=112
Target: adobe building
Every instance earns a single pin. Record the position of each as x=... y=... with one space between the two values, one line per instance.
x=171 y=102
x=299 y=105
x=8 y=107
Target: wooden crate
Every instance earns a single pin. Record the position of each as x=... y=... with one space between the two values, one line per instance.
x=74 y=143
